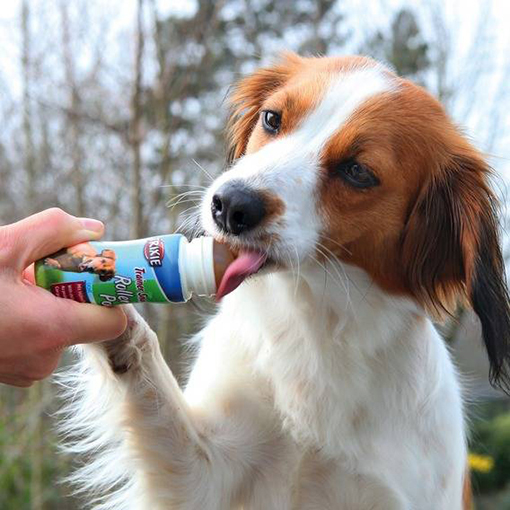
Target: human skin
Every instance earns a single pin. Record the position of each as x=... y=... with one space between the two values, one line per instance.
x=35 y=326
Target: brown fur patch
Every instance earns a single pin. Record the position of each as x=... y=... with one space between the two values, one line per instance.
x=274 y=205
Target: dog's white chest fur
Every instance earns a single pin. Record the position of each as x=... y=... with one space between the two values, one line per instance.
x=359 y=381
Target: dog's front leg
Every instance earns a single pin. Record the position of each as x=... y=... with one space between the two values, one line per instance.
x=150 y=445
x=48 y=261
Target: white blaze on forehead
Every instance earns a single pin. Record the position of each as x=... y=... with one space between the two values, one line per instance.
x=346 y=93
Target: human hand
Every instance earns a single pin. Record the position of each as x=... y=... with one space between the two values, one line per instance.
x=36 y=326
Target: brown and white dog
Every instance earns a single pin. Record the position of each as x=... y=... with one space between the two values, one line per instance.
x=83 y=258
x=321 y=383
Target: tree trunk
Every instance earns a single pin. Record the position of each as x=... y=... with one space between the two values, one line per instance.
x=135 y=133
x=72 y=120
x=31 y=205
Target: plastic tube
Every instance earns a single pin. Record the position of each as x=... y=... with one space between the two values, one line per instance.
x=162 y=269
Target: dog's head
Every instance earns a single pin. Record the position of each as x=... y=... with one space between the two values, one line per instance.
x=103 y=265
x=340 y=157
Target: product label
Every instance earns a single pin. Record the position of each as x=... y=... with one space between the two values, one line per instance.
x=154 y=252
x=71 y=290
x=146 y=270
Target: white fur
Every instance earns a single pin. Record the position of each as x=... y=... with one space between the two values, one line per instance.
x=313 y=388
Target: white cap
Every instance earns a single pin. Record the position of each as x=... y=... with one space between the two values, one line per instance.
x=196 y=267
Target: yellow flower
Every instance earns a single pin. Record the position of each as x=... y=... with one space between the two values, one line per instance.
x=481 y=463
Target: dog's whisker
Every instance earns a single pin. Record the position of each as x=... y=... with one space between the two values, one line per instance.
x=321 y=265
x=199 y=186
x=176 y=200
x=196 y=203
x=203 y=170
x=342 y=279
x=298 y=271
x=191 y=217
x=188 y=226
x=338 y=279
x=190 y=192
x=292 y=271
x=188 y=201
x=190 y=210
x=336 y=243
x=338 y=263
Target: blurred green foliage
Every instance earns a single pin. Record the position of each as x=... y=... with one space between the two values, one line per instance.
x=31 y=471
x=490 y=438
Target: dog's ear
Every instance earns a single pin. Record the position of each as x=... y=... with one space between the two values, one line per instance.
x=109 y=254
x=247 y=98
x=451 y=250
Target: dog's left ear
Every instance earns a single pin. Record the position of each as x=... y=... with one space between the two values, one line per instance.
x=109 y=254
x=451 y=250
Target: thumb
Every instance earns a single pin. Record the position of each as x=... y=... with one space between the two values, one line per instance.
x=45 y=233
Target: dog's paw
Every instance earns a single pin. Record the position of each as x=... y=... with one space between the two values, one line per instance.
x=125 y=352
x=51 y=263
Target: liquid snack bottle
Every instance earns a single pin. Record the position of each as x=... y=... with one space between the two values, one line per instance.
x=162 y=269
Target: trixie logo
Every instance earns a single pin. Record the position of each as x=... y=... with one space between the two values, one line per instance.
x=154 y=252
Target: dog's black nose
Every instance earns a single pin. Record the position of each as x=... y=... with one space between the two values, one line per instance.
x=237 y=209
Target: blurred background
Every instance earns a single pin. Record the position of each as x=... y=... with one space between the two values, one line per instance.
x=115 y=110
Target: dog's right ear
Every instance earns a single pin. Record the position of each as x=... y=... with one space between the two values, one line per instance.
x=247 y=98
x=451 y=251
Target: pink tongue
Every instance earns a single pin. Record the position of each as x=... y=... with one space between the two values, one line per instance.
x=246 y=264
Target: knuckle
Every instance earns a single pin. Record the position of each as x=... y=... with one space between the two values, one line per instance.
x=5 y=250
x=46 y=335
x=57 y=216
x=7 y=243
x=38 y=329
x=55 y=340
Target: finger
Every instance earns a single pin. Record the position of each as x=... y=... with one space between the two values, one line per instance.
x=45 y=233
x=86 y=323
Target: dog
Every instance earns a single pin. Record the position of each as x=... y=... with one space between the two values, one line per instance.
x=83 y=258
x=321 y=382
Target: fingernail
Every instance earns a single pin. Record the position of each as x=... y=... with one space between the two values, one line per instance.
x=92 y=225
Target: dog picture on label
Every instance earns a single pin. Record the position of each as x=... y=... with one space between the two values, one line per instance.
x=83 y=258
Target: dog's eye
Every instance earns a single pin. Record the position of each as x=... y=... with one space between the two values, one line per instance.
x=356 y=174
x=271 y=121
